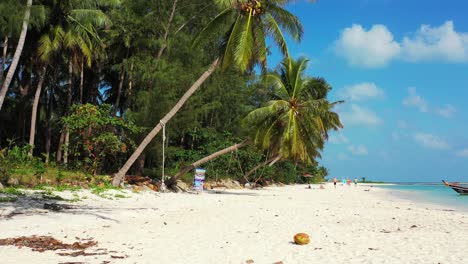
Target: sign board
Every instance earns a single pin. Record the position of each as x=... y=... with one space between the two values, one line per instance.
x=199 y=179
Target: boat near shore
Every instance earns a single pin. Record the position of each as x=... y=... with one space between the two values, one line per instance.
x=459 y=188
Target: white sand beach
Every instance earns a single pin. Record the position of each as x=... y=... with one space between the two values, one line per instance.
x=346 y=225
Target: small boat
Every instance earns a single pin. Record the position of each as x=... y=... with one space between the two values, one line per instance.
x=458 y=188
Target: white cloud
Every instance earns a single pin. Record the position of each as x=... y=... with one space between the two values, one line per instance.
x=361 y=92
x=463 y=153
x=447 y=111
x=376 y=47
x=338 y=139
x=436 y=43
x=360 y=116
x=372 y=48
x=415 y=100
x=358 y=150
x=431 y=141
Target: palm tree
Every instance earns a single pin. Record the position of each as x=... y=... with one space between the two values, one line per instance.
x=294 y=125
x=249 y=23
x=16 y=56
x=32 y=131
x=75 y=34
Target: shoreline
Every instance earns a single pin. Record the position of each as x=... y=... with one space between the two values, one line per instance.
x=346 y=225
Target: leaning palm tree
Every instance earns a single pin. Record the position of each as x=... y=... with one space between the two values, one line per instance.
x=294 y=125
x=249 y=23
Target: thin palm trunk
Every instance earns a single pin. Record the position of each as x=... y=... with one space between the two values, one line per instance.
x=4 y=58
x=60 y=144
x=259 y=166
x=32 y=131
x=119 y=91
x=130 y=79
x=81 y=81
x=119 y=176
x=213 y=156
x=69 y=101
x=17 y=55
x=166 y=33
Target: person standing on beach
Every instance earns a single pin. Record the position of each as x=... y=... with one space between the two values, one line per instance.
x=355 y=182
x=334 y=181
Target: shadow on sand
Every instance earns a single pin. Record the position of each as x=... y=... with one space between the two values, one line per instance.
x=34 y=204
x=224 y=192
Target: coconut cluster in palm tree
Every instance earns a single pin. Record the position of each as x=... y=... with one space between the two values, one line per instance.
x=251 y=7
x=248 y=23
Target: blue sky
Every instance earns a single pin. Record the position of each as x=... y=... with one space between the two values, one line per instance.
x=402 y=67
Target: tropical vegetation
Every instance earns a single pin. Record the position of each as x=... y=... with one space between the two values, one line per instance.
x=86 y=86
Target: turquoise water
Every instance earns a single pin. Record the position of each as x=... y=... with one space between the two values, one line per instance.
x=429 y=193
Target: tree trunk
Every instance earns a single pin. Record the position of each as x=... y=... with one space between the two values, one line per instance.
x=48 y=126
x=130 y=84
x=213 y=156
x=166 y=34
x=48 y=143
x=259 y=166
x=59 y=148
x=66 y=144
x=4 y=58
x=67 y=112
x=81 y=81
x=16 y=56
x=119 y=91
x=32 y=131
x=119 y=176
x=70 y=84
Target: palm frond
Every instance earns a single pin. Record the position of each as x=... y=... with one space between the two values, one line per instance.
x=287 y=21
x=213 y=26
x=275 y=32
x=243 y=50
x=227 y=58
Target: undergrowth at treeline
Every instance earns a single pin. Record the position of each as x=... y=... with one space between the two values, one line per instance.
x=18 y=169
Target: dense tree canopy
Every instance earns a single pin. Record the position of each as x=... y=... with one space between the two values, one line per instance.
x=95 y=76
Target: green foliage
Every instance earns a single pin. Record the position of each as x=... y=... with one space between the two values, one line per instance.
x=12 y=191
x=8 y=199
x=113 y=48
x=97 y=135
x=245 y=26
x=294 y=124
x=102 y=188
x=14 y=160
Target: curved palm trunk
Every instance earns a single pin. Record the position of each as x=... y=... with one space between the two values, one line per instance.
x=259 y=166
x=119 y=176
x=17 y=55
x=37 y=95
x=213 y=156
